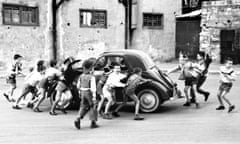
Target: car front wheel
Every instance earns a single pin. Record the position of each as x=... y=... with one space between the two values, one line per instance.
x=149 y=100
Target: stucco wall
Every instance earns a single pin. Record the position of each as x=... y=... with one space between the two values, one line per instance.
x=218 y=15
x=81 y=42
x=28 y=41
x=159 y=43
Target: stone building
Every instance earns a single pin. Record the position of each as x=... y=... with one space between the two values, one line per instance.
x=87 y=28
x=220 y=29
x=22 y=29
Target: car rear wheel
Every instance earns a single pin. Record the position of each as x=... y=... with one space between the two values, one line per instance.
x=149 y=100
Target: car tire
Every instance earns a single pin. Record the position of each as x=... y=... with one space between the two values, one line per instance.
x=149 y=100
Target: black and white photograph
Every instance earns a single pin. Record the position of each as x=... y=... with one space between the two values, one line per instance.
x=119 y=71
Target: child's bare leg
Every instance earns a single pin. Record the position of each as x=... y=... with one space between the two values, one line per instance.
x=219 y=95
x=108 y=105
x=41 y=97
x=58 y=98
x=224 y=93
x=186 y=93
x=12 y=89
x=100 y=104
x=137 y=104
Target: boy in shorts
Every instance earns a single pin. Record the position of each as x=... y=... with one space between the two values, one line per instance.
x=227 y=77
x=31 y=82
x=133 y=82
x=114 y=80
x=51 y=75
x=100 y=85
x=15 y=69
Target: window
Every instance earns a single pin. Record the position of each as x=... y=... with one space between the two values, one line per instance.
x=93 y=18
x=20 y=15
x=151 y=20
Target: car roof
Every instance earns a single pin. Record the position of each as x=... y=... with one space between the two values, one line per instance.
x=124 y=52
x=130 y=52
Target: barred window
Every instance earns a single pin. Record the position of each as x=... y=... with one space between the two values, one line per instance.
x=20 y=15
x=93 y=18
x=153 y=20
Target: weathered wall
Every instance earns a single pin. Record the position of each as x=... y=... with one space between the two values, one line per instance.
x=159 y=43
x=80 y=41
x=28 y=41
x=218 y=15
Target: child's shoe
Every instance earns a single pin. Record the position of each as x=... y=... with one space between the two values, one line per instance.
x=220 y=108
x=63 y=111
x=206 y=97
x=138 y=117
x=77 y=123
x=231 y=108
x=94 y=125
x=7 y=97
x=187 y=104
x=16 y=107
x=37 y=110
x=197 y=105
x=52 y=113
x=107 y=116
x=30 y=105
x=116 y=114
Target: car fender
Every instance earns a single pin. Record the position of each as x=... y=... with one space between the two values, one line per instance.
x=158 y=87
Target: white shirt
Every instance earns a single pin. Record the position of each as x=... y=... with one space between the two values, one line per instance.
x=226 y=75
x=51 y=72
x=114 y=80
x=33 y=78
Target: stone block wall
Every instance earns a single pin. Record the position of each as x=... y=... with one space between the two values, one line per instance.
x=217 y=15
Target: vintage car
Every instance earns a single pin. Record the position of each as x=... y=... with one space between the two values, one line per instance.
x=151 y=94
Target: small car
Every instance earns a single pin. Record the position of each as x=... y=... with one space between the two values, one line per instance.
x=151 y=94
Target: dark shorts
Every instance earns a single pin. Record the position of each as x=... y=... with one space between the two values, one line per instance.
x=225 y=87
x=61 y=86
x=11 y=79
x=189 y=81
x=99 y=89
x=44 y=83
x=29 y=89
x=130 y=91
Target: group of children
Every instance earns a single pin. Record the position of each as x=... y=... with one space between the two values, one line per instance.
x=194 y=74
x=44 y=75
x=40 y=80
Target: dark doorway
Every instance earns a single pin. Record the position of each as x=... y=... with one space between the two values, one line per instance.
x=230 y=47
x=187 y=37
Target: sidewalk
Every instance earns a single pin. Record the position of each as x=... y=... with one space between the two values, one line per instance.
x=213 y=68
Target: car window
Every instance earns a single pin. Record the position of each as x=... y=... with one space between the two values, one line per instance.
x=101 y=63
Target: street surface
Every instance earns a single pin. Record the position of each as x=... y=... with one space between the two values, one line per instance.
x=173 y=124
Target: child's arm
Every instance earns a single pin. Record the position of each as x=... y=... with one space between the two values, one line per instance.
x=175 y=69
x=93 y=87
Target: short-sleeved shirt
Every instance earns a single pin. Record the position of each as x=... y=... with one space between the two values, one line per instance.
x=225 y=74
x=33 y=78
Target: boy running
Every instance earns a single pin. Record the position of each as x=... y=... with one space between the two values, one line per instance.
x=15 y=69
x=226 y=82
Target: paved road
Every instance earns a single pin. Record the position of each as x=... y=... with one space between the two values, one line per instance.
x=172 y=124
